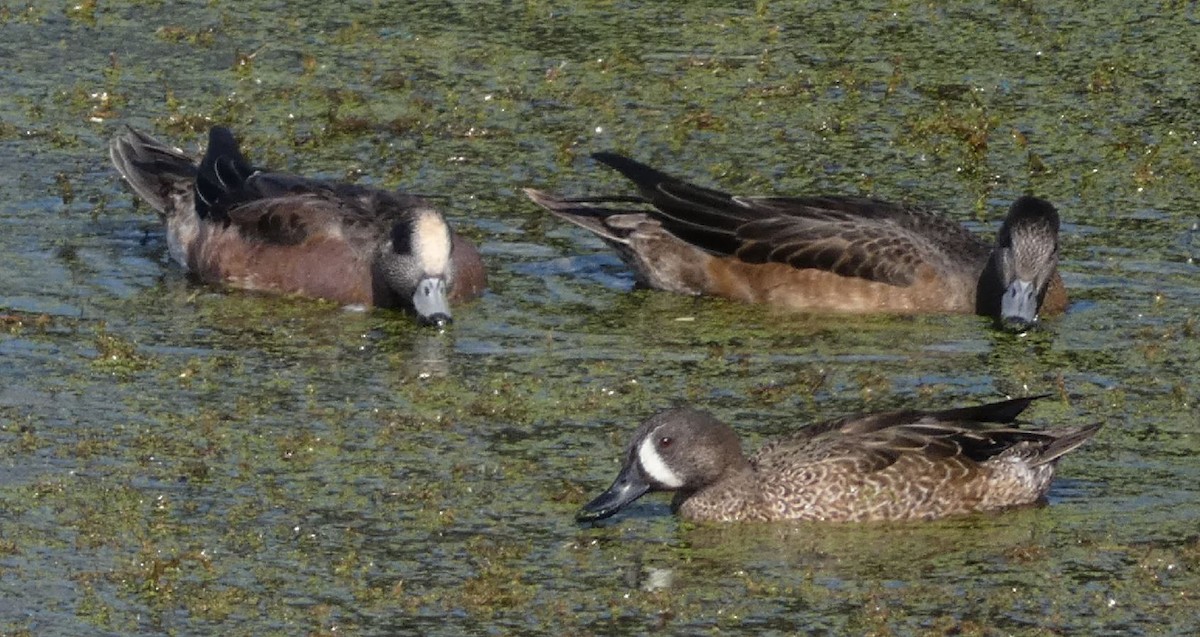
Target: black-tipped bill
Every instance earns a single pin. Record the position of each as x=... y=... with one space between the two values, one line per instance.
x=629 y=486
x=1019 y=306
x=430 y=302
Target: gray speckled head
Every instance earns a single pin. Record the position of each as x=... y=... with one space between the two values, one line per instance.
x=416 y=265
x=1025 y=260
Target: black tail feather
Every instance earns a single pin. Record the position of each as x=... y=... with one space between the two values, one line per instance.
x=223 y=173
x=674 y=196
x=701 y=216
x=646 y=178
x=1000 y=412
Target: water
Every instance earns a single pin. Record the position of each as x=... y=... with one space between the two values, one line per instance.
x=182 y=459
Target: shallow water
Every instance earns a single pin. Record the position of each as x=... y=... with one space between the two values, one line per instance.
x=182 y=459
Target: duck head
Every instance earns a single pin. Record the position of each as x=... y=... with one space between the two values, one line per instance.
x=681 y=449
x=417 y=265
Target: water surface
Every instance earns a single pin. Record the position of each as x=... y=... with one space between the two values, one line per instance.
x=182 y=459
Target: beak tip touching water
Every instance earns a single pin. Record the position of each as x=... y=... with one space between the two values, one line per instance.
x=1017 y=324
x=1019 y=306
x=430 y=302
x=439 y=320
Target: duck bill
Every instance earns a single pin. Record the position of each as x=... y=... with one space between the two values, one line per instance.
x=430 y=302
x=1019 y=306
x=629 y=486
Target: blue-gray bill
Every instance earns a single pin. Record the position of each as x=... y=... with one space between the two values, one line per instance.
x=629 y=486
x=430 y=302
x=1019 y=306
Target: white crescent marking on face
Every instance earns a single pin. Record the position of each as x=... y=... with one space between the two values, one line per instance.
x=655 y=468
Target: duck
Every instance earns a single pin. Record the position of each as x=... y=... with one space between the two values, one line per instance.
x=228 y=222
x=889 y=466
x=823 y=253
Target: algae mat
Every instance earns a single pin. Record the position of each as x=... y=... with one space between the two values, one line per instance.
x=179 y=459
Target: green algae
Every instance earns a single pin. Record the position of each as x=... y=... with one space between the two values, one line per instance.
x=182 y=459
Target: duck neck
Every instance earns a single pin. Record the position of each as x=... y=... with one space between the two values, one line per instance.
x=735 y=496
x=989 y=290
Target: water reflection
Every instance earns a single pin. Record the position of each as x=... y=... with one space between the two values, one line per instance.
x=429 y=354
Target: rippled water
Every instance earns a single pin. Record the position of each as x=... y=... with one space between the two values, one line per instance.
x=182 y=459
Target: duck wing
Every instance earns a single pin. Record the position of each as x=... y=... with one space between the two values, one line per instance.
x=875 y=441
x=288 y=209
x=850 y=236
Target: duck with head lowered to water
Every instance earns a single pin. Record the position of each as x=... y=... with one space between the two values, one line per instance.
x=231 y=223
x=823 y=253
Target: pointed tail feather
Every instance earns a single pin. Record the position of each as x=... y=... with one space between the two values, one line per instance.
x=705 y=217
x=150 y=167
x=1000 y=412
x=646 y=178
x=588 y=213
x=1066 y=443
x=677 y=199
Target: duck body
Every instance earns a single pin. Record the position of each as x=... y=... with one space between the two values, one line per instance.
x=904 y=465
x=825 y=253
x=230 y=223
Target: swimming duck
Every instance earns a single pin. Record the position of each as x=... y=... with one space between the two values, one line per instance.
x=229 y=222
x=900 y=465
x=831 y=253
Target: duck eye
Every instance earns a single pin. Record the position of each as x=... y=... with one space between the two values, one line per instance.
x=665 y=441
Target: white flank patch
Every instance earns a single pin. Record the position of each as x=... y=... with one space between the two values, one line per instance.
x=653 y=465
x=431 y=242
